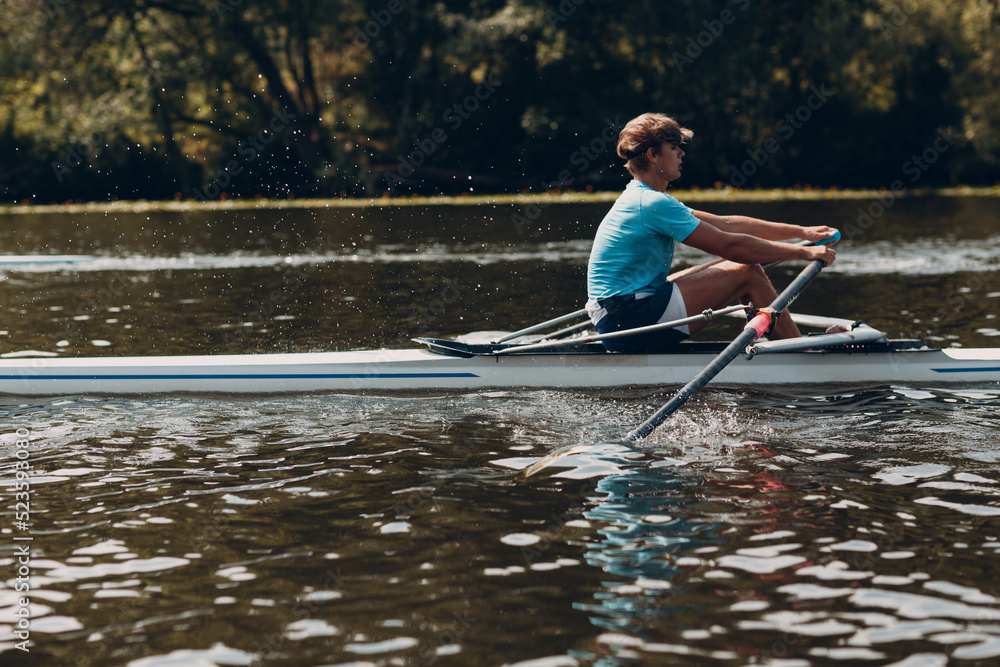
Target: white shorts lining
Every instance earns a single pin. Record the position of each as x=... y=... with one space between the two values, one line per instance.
x=676 y=310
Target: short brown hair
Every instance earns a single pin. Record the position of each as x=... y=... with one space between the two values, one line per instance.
x=649 y=130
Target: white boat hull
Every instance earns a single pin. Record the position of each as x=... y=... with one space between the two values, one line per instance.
x=382 y=370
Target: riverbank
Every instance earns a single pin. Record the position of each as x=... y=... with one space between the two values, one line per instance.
x=693 y=195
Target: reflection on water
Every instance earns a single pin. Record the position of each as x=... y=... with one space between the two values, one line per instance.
x=326 y=529
x=847 y=525
x=779 y=553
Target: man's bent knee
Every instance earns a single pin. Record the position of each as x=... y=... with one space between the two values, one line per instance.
x=755 y=272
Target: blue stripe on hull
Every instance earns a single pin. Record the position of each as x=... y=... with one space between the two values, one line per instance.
x=239 y=376
x=981 y=369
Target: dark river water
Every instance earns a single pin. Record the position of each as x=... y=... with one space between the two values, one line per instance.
x=787 y=526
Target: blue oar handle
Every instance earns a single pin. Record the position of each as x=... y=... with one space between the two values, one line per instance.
x=830 y=240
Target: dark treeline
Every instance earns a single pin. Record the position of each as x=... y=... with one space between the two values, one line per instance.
x=202 y=99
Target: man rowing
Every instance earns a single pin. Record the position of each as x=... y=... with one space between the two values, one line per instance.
x=628 y=279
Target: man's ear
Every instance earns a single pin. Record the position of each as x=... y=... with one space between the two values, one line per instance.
x=652 y=152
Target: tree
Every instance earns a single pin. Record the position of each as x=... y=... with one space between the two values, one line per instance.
x=195 y=98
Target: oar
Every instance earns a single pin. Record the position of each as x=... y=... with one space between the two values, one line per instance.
x=543 y=325
x=754 y=329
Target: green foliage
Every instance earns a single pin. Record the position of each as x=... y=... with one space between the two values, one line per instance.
x=199 y=99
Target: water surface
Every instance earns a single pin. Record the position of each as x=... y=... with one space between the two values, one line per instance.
x=791 y=526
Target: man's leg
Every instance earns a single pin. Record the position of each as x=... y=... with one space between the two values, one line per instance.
x=721 y=283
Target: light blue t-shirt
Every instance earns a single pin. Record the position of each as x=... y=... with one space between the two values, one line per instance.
x=634 y=245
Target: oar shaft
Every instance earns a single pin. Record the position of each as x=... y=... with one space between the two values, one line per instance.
x=691 y=388
x=795 y=288
x=573 y=328
x=751 y=333
x=706 y=315
x=543 y=325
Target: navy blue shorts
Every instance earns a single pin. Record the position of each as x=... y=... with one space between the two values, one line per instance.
x=629 y=313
